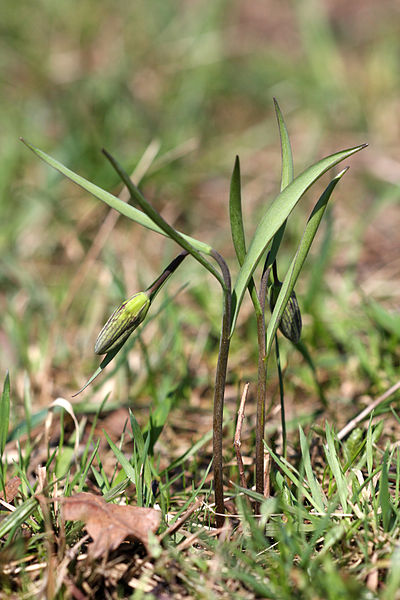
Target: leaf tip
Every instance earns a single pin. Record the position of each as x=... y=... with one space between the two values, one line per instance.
x=342 y=172
x=106 y=153
x=278 y=111
x=23 y=140
x=236 y=167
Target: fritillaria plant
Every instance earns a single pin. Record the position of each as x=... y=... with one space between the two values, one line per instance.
x=285 y=312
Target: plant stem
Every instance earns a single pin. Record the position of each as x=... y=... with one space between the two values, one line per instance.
x=261 y=393
x=261 y=385
x=219 y=390
x=282 y=398
x=156 y=286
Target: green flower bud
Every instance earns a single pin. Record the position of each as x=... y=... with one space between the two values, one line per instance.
x=290 y=324
x=122 y=322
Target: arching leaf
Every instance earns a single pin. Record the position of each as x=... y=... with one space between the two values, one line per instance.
x=275 y=216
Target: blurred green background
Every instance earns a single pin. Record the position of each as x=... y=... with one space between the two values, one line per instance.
x=197 y=78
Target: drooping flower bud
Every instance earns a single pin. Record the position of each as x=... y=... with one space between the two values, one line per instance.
x=290 y=324
x=122 y=323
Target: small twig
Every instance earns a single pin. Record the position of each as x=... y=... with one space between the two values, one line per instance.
x=238 y=433
x=172 y=529
x=267 y=470
x=178 y=524
x=189 y=541
x=364 y=413
x=70 y=555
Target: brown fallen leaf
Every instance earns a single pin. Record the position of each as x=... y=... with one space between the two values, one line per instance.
x=11 y=489
x=110 y=524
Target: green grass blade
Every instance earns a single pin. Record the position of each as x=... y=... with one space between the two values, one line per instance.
x=157 y=420
x=192 y=497
x=297 y=263
x=145 y=469
x=283 y=465
x=261 y=589
x=122 y=207
x=315 y=489
x=235 y=213
x=335 y=467
x=4 y=415
x=142 y=445
x=18 y=517
x=123 y=461
x=192 y=451
x=384 y=319
x=136 y=432
x=384 y=495
x=275 y=216
x=101 y=481
x=393 y=578
x=83 y=474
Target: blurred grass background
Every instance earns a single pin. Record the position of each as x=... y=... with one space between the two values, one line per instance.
x=198 y=78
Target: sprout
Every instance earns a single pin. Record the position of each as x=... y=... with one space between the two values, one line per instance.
x=124 y=320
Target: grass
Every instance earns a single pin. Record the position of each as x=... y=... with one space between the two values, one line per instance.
x=200 y=80
x=328 y=529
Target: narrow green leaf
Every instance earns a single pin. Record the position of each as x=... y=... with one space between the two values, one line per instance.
x=389 y=321
x=237 y=228
x=287 y=175
x=286 y=149
x=142 y=446
x=158 y=219
x=100 y=480
x=116 y=490
x=18 y=517
x=336 y=469
x=106 y=360
x=123 y=461
x=260 y=588
x=384 y=496
x=315 y=489
x=82 y=474
x=157 y=420
x=192 y=451
x=297 y=263
x=4 y=413
x=393 y=577
x=275 y=215
x=122 y=207
x=136 y=432
x=235 y=213
x=369 y=447
x=145 y=465
x=192 y=497
x=283 y=465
